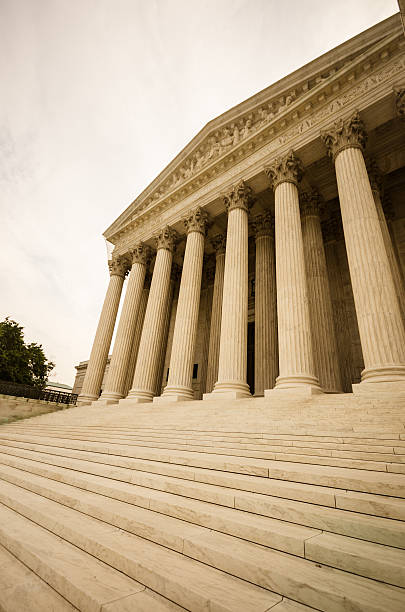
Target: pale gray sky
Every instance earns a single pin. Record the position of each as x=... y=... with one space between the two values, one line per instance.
x=97 y=96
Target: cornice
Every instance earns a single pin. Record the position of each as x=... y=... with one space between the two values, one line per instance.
x=296 y=117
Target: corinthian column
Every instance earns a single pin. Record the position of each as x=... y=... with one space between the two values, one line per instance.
x=218 y=243
x=232 y=367
x=376 y=187
x=115 y=384
x=296 y=360
x=320 y=304
x=266 y=350
x=179 y=386
x=147 y=364
x=137 y=335
x=378 y=313
x=101 y=345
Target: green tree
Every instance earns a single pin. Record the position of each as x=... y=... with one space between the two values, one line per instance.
x=21 y=362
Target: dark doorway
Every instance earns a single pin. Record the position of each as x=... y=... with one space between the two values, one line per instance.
x=251 y=357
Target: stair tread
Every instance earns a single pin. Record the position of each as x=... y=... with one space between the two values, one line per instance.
x=22 y=589
x=188 y=582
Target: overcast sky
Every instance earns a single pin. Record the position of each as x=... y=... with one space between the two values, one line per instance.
x=97 y=96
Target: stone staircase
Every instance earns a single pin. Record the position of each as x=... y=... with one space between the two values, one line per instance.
x=254 y=505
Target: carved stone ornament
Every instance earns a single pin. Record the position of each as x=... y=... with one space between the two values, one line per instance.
x=287 y=169
x=196 y=221
x=345 y=134
x=141 y=253
x=311 y=203
x=241 y=196
x=400 y=102
x=263 y=225
x=166 y=238
x=332 y=229
x=218 y=243
x=374 y=174
x=118 y=266
x=175 y=273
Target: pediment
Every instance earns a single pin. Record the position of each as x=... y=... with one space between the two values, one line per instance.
x=232 y=135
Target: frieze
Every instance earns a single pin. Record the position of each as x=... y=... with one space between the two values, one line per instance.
x=300 y=128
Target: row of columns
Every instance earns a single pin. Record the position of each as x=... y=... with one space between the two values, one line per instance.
x=301 y=331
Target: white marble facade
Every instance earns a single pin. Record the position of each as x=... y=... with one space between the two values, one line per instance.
x=269 y=256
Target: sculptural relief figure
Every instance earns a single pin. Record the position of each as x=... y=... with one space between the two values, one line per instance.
x=226 y=141
x=198 y=160
x=235 y=133
x=247 y=128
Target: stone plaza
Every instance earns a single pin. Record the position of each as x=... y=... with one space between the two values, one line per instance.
x=244 y=451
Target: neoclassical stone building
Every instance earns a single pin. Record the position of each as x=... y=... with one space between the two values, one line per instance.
x=269 y=256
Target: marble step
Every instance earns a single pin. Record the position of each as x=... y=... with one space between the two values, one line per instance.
x=268 y=451
x=209 y=436
x=259 y=443
x=202 y=458
x=309 y=583
x=70 y=468
x=185 y=581
x=163 y=518
x=371 y=560
x=186 y=466
x=21 y=589
x=87 y=583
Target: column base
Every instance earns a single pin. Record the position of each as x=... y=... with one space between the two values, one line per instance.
x=136 y=396
x=175 y=394
x=228 y=390
x=390 y=379
x=109 y=398
x=86 y=400
x=105 y=402
x=300 y=386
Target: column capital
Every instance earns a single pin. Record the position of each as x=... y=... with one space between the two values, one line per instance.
x=166 y=238
x=287 y=169
x=311 y=203
x=218 y=243
x=241 y=196
x=118 y=266
x=332 y=230
x=345 y=134
x=400 y=102
x=263 y=225
x=196 y=221
x=374 y=174
x=141 y=253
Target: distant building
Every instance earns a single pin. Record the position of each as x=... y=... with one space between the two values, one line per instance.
x=56 y=386
x=81 y=371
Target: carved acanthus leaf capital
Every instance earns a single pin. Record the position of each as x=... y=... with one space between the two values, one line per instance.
x=196 y=221
x=400 y=102
x=166 y=238
x=311 y=203
x=141 y=253
x=218 y=243
x=345 y=134
x=118 y=266
x=332 y=229
x=374 y=174
x=287 y=169
x=263 y=225
x=241 y=196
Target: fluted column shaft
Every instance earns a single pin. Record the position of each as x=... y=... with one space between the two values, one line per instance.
x=136 y=340
x=379 y=317
x=324 y=343
x=296 y=362
x=102 y=341
x=216 y=313
x=380 y=323
x=143 y=386
x=232 y=365
x=163 y=348
x=266 y=349
x=179 y=385
x=115 y=383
